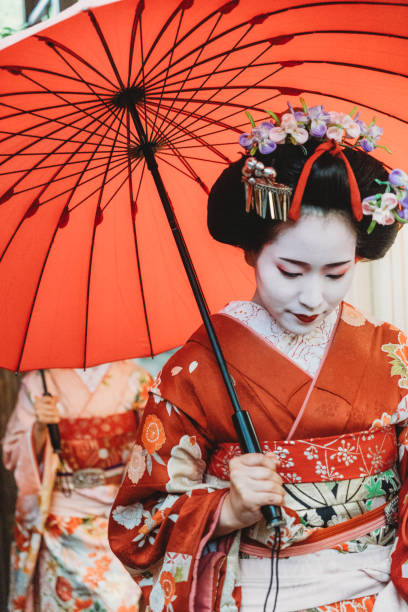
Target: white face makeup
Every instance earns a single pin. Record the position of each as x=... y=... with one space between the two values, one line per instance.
x=305 y=272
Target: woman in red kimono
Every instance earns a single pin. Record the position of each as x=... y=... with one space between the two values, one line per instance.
x=325 y=386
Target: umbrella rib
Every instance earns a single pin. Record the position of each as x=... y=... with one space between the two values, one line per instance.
x=226 y=85
x=166 y=161
x=68 y=176
x=18 y=70
x=53 y=120
x=213 y=161
x=35 y=297
x=54 y=43
x=93 y=92
x=168 y=68
x=193 y=30
x=65 y=163
x=37 y=166
x=184 y=81
x=296 y=91
x=113 y=167
x=105 y=45
x=195 y=137
x=98 y=208
x=71 y=190
x=61 y=97
x=155 y=42
x=135 y=240
x=229 y=100
x=45 y=136
x=133 y=204
x=203 y=118
x=118 y=188
x=136 y=22
x=142 y=68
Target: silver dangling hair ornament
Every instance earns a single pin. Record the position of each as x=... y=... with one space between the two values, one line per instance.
x=262 y=194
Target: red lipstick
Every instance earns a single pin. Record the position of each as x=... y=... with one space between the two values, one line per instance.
x=306 y=319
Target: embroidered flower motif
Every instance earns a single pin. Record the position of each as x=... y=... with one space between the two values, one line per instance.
x=399 y=359
x=153 y=436
x=63 y=589
x=286 y=461
x=168 y=585
x=352 y=316
x=385 y=419
x=311 y=453
x=376 y=458
x=356 y=318
x=185 y=466
x=292 y=478
x=137 y=464
x=128 y=516
x=345 y=453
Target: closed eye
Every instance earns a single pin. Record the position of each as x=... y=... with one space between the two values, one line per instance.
x=289 y=274
x=335 y=276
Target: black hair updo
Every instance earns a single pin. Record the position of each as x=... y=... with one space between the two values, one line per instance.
x=327 y=188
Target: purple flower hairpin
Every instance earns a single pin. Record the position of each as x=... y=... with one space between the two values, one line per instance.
x=384 y=206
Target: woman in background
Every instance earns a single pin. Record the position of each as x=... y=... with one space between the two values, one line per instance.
x=60 y=557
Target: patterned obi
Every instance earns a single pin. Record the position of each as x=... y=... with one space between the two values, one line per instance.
x=329 y=481
x=98 y=442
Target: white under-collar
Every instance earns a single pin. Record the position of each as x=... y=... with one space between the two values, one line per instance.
x=305 y=350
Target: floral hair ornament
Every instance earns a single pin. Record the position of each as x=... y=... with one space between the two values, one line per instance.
x=383 y=206
x=336 y=130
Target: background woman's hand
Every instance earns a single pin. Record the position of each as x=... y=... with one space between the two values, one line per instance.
x=254 y=483
x=46 y=412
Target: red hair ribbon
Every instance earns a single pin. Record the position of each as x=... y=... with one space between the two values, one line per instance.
x=334 y=149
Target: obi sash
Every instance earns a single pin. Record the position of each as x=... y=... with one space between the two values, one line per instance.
x=338 y=488
x=97 y=442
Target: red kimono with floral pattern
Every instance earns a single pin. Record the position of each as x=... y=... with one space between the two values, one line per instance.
x=168 y=505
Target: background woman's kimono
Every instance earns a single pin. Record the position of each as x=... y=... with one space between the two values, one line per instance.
x=61 y=558
x=341 y=466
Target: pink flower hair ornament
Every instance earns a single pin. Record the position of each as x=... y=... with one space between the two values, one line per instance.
x=267 y=197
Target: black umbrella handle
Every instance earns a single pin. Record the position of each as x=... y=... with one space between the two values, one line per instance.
x=53 y=428
x=250 y=444
x=241 y=419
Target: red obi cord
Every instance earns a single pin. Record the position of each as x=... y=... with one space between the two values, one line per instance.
x=334 y=149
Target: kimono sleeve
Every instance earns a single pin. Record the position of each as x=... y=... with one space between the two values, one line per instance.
x=18 y=445
x=164 y=512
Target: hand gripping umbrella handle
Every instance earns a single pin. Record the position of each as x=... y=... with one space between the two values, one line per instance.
x=53 y=429
x=250 y=444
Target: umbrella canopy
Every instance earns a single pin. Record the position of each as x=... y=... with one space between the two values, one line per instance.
x=88 y=268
